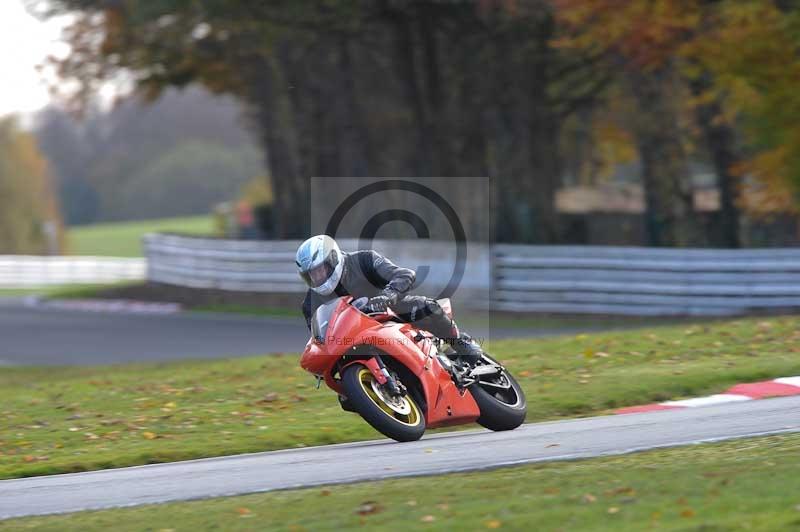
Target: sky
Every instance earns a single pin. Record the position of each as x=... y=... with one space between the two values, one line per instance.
x=24 y=43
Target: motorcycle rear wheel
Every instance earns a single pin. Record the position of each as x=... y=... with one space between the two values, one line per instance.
x=404 y=422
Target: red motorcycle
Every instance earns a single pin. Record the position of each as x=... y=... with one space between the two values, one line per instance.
x=401 y=379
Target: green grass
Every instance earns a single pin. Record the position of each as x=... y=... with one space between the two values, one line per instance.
x=751 y=484
x=123 y=239
x=70 y=291
x=76 y=419
x=247 y=310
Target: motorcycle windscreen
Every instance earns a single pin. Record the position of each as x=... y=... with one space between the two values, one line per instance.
x=321 y=320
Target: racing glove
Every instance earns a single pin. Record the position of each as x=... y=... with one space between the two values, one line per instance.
x=382 y=302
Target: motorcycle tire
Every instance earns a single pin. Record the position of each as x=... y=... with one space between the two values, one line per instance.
x=497 y=411
x=357 y=385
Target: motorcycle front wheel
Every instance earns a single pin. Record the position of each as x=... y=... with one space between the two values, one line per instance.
x=501 y=401
x=399 y=418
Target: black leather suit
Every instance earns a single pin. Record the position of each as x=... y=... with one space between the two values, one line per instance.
x=366 y=273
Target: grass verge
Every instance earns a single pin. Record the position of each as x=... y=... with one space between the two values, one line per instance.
x=69 y=291
x=748 y=484
x=77 y=419
x=247 y=310
x=124 y=239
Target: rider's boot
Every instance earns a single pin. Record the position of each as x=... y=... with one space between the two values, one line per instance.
x=428 y=315
x=466 y=348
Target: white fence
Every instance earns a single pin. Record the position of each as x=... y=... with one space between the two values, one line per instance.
x=644 y=281
x=21 y=271
x=268 y=266
x=245 y=265
x=557 y=279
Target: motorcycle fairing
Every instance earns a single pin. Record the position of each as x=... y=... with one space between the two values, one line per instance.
x=349 y=328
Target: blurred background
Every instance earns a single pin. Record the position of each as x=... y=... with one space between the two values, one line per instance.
x=662 y=122
x=659 y=123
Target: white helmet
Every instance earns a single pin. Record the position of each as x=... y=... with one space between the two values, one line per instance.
x=321 y=263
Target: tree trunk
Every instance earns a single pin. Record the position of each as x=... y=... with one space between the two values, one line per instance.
x=721 y=143
x=353 y=136
x=670 y=217
x=269 y=110
x=544 y=127
x=405 y=60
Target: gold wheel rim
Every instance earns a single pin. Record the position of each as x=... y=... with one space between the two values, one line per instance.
x=366 y=378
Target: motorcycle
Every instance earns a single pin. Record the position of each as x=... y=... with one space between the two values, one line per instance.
x=402 y=380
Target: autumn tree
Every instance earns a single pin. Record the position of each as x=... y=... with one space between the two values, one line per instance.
x=641 y=40
x=29 y=217
x=342 y=88
x=751 y=48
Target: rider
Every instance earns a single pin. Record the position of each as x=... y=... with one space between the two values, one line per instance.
x=331 y=273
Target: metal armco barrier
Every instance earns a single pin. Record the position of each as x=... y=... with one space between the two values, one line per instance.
x=20 y=271
x=644 y=281
x=517 y=278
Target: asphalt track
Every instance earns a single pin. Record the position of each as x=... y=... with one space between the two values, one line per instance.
x=48 y=336
x=441 y=453
x=44 y=336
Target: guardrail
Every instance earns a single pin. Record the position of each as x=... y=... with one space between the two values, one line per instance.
x=644 y=281
x=268 y=266
x=517 y=278
x=244 y=265
x=22 y=271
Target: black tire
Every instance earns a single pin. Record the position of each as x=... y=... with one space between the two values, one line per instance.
x=391 y=425
x=496 y=412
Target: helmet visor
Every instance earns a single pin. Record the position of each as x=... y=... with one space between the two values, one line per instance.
x=319 y=275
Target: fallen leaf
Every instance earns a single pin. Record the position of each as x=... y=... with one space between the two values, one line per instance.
x=411 y=503
x=589 y=498
x=443 y=506
x=552 y=491
x=244 y=512
x=687 y=513
x=613 y=510
x=149 y=435
x=524 y=373
x=428 y=519
x=369 y=507
x=325 y=493
x=494 y=523
x=270 y=397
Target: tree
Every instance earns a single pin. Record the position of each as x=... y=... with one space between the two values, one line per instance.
x=641 y=40
x=177 y=155
x=751 y=49
x=357 y=88
x=29 y=217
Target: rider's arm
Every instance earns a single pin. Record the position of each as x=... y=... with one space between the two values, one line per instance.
x=308 y=309
x=397 y=278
